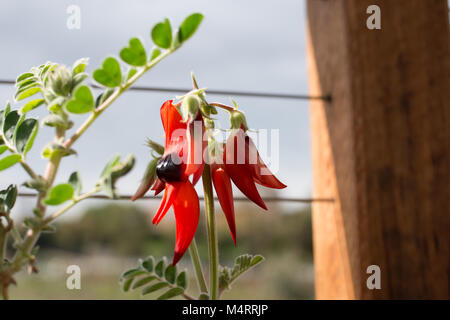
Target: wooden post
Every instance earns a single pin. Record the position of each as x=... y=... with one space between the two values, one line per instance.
x=381 y=147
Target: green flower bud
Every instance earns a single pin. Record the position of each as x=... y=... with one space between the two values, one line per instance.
x=190 y=107
x=237 y=119
x=60 y=80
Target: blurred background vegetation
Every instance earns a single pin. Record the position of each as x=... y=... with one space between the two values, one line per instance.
x=106 y=238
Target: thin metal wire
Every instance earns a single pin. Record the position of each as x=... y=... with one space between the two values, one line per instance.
x=213 y=92
x=267 y=199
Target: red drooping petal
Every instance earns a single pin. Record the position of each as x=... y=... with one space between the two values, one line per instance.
x=171 y=120
x=158 y=186
x=243 y=179
x=197 y=175
x=187 y=211
x=224 y=191
x=195 y=145
x=261 y=174
x=170 y=194
x=240 y=173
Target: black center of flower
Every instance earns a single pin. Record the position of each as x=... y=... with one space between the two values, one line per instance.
x=167 y=170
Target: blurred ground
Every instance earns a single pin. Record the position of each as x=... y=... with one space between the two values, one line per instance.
x=109 y=238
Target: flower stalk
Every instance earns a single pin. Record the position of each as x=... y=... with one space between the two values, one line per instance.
x=196 y=263
x=212 y=234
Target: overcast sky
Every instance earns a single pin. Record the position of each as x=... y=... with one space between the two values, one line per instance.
x=241 y=45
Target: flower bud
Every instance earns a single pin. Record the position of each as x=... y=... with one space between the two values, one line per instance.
x=238 y=120
x=60 y=80
x=190 y=107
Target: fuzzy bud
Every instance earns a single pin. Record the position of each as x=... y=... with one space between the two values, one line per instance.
x=60 y=80
x=190 y=107
x=238 y=120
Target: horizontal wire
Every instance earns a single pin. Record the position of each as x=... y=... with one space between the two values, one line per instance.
x=267 y=199
x=213 y=92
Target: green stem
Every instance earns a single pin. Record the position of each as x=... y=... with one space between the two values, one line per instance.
x=28 y=169
x=196 y=262
x=212 y=237
x=58 y=213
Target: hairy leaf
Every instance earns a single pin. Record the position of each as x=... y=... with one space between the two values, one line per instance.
x=59 y=194
x=154 y=287
x=148 y=264
x=189 y=26
x=181 y=280
x=25 y=135
x=134 y=54
x=8 y=198
x=159 y=269
x=33 y=104
x=75 y=182
x=170 y=274
x=3 y=148
x=171 y=293
x=9 y=124
x=9 y=161
x=110 y=74
x=162 y=34
x=143 y=281
x=242 y=264
x=24 y=76
x=80 y=65
x=28 y=92
x=82 y=101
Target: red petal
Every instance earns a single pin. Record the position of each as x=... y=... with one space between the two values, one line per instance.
x=171 y=120
x=197 y=175
x=172 y=189
x=195 y=145
x=187 y=212
x=222 y=185
x=268 y=180
x=241 y=174
x=243 y=179
x=158 y=186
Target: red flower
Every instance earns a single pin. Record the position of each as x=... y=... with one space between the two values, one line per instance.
x=242 y=164
x=177 y=163
x=245 y=167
